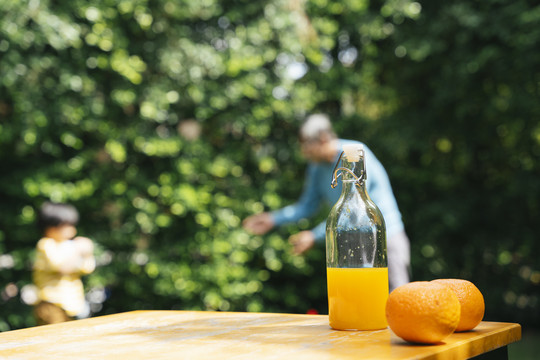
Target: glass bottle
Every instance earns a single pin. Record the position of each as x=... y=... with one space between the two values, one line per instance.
x=357 y=269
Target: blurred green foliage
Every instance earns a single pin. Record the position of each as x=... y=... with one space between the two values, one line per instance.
x=167 y=122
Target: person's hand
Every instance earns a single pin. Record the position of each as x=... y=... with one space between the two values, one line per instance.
x=302 y=242
x=259 y=224
x=84 y=245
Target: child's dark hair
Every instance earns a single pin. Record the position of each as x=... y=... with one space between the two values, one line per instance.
x=55 y=214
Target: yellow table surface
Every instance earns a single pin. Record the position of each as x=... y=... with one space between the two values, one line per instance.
x=229 y=335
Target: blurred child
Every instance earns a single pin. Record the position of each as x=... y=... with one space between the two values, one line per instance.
x=61 y=259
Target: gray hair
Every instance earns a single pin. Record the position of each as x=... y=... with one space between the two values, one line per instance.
x=314 y=126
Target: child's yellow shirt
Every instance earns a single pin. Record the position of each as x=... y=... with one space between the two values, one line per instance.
x=57 y=274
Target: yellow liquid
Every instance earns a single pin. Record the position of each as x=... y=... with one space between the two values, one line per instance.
x=357 y=298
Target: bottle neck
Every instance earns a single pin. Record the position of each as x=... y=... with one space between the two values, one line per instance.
x=358 y=169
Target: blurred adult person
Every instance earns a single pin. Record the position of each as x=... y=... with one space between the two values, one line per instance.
x=321 y=147
x=61 y=259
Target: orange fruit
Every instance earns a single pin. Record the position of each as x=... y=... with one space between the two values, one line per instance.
x=471 y=299
x=423 y=312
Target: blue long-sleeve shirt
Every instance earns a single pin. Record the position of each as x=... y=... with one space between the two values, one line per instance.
x=317 y=191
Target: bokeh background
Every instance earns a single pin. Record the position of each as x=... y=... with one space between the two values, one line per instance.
x=167 y=122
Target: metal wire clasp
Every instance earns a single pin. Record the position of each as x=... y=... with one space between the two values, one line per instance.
x=358 y=180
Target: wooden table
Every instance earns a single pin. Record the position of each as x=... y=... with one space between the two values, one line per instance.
x=229 y=335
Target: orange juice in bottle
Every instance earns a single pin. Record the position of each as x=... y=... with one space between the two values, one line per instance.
x=357 y=268
x=357 y=297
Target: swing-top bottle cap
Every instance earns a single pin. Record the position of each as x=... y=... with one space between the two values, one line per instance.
x=353 y=152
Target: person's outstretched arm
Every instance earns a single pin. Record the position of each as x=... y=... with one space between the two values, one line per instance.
x=307 y=204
